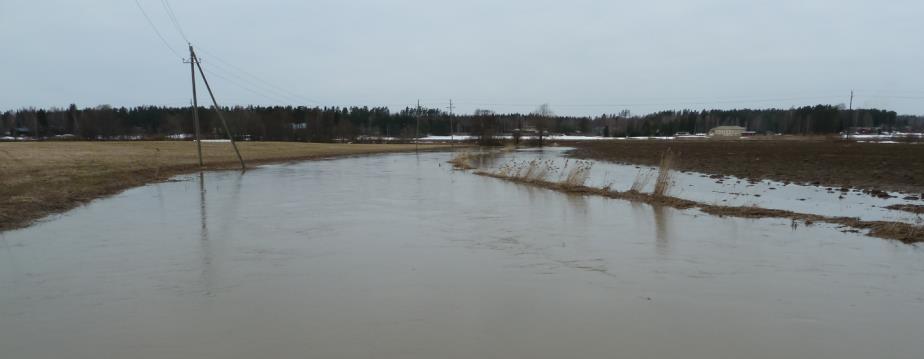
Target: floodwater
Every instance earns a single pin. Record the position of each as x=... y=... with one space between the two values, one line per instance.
x=728 y=191
x=398 y=256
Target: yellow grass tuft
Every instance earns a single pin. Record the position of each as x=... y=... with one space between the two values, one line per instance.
x=664 y=181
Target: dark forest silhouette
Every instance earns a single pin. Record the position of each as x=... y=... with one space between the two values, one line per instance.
x=338 y=124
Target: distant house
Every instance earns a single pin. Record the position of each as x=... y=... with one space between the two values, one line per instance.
x=727 y=131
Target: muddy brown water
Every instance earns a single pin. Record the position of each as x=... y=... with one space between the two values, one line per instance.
x=398 y=256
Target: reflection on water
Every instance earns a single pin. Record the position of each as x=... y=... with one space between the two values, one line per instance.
x=399 y=256
x=204 y=233
x=728 y=191
x=204 y=243
x=662 y=236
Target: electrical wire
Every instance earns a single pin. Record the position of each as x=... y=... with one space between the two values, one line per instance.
x=172 y=16
x=649 y=104
x=257 y=85
x=244 y=87
x=264 y=88
x=265 y=83
x=156 y=31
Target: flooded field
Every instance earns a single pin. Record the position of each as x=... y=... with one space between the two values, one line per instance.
x=399 y=256
x=721 y=190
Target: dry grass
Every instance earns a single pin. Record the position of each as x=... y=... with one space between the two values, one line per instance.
x=578 y=173
x=537 y=170
x=642 y=178
x=534 y=170
x=904 y=232
x=40 y=178
x=462 y=161
x=664 y=181
x=911 y=208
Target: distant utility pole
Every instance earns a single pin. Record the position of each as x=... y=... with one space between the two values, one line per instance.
x=452 y=142
x=417 y=132
x=851 y=99
x=195 y=101
x=194 y=60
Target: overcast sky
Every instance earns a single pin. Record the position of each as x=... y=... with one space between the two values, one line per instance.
x=581 y=57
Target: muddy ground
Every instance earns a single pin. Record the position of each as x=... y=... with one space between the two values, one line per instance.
x=870 y=166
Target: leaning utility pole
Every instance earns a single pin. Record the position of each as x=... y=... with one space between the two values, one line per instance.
x=221 y=117
x=195 y=101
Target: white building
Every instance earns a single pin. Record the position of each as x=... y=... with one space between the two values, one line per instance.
x=727 y=131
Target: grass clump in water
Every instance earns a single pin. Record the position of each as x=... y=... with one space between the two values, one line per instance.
x=462 y=161
x=664 y=181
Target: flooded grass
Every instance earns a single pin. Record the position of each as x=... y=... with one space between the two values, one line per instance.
x=41 y=178
x=578 y=173
x=462 y=161
x=527 y=173
x=910 y=208
x=893 y=167
x=663 y=182
x=642 y=179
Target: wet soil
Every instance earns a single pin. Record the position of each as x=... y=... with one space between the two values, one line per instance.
x=874 y=167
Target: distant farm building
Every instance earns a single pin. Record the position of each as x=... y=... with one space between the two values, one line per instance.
x=727 y=131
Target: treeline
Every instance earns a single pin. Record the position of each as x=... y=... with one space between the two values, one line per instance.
x=809 y=120
x=330 y=124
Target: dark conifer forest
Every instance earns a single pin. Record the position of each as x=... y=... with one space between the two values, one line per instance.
x=338 y=124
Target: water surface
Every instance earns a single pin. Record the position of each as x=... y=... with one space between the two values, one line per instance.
x=398 y=256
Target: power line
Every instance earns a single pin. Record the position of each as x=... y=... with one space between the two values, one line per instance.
x=250 y=86
x=245 y=87
x=896 y=97
x=258 y=78
x=153 y=27
x=265 y=88
x=172 y=16
x=651 y=104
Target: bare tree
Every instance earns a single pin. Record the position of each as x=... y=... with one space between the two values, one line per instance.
x=484 y=126
x=542 y=120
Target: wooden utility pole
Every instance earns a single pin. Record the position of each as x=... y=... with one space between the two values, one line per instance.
x=195 y=101
x=853 y=121
x=217 y=108
x=417 y=131
x=452 y=142
x=851 y=99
